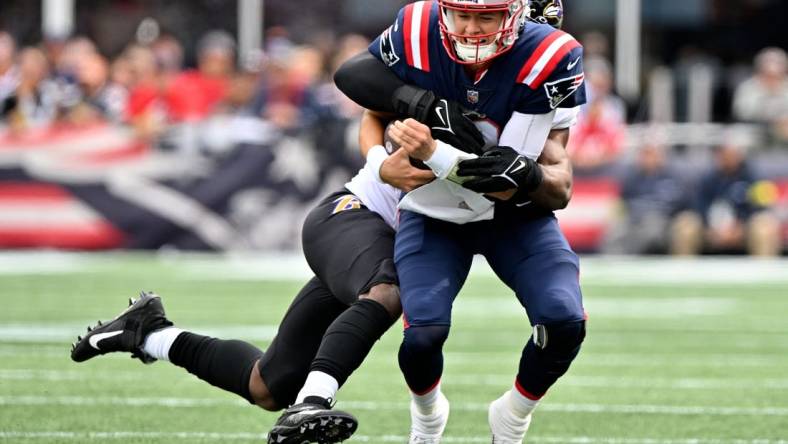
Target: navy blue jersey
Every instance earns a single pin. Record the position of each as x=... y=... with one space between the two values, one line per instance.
x=541 y=72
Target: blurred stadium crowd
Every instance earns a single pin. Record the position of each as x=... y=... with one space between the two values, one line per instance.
x=159 y=142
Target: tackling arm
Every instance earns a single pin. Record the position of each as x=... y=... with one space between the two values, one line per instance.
x=556 y=187
x=370 y=83
x=371 y=130
x=394 y=169
x=508 y=173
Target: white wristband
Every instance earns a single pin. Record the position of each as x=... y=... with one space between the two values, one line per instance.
x=445 y=158
x=375 y=157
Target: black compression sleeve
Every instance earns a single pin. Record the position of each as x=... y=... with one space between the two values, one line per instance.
x=368 y=82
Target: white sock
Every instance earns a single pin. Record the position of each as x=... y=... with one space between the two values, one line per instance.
x=318 y=384
x=426 y=403
x=520 y=405
x=158 y=343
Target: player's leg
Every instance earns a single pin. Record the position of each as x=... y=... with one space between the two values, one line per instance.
x=351 y=249
x=144 y=331
x=432 y=262
x=284 y=366
x=535 y=260
x=232 y=365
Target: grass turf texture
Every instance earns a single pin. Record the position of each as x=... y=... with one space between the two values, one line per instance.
x=691 y=361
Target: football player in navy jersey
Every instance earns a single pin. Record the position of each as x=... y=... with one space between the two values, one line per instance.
x=271 y=380
x=368 y=81
x=483 y=55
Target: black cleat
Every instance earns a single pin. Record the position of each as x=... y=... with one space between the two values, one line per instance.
x=312 y=421
x=125 y=333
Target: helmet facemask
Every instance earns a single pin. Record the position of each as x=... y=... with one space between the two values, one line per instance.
x=479 y=48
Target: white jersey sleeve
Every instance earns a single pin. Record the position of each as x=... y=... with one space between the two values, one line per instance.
x=527 y=133
x=565 y=118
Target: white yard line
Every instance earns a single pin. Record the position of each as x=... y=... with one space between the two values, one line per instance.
x=612 y=383
x=651 y=359
x=263 y=266
x=465 y=379
x=30 y=374
x=67 y=332
x=81 y=436
x=370 y=405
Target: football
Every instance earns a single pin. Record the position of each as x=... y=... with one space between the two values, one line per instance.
x=388 y=142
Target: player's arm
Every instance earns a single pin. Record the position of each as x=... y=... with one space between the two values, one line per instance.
x=556 y=188
x=394 y=169
x=371 y=129
x=510 y=170
x=367 y=80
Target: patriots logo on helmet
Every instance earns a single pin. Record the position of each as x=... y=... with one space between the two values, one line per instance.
x=560 y=90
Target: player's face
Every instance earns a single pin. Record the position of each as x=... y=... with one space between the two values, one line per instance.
x=477 y=24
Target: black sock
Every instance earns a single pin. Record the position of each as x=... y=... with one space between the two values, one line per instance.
x=350 y=337
x=222 y=363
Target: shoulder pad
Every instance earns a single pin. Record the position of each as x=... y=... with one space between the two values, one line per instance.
x=545 y=58
x=415 y=30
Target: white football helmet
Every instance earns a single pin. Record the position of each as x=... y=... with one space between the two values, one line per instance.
x=473 y=49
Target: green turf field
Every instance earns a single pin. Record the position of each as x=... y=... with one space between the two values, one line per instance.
x=692 y=352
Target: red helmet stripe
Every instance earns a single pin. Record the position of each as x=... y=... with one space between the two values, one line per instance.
x=415 y=30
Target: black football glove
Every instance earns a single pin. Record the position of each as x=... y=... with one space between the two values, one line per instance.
x=449 y=121
x=499 y=169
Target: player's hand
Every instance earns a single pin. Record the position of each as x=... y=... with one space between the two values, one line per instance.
x=449 y=121
x=453 y=124
x=398 y=172
x=413 y=137
x=500 y=169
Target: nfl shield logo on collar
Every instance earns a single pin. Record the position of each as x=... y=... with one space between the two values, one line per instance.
x=473 y=96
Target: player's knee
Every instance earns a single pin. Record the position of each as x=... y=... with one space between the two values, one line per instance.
x=386 y=295
x=425 y=340
x=561 y=340
x=259 y=393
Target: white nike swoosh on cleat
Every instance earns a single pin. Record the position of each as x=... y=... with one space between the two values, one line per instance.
x=93 y=340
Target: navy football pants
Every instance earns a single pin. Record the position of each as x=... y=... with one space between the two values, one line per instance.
x=433 y=259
